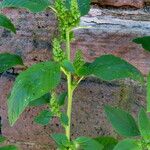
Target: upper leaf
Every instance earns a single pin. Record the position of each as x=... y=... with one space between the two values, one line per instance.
x=31 y=5
x=144 y=124
x=122 y=121
x=9 y=60
x=109 y=67
x=86 y=143
x=148 y=93
x=84 y=6
x=30 y=85
x=108 y=142
x=127 y=144
x=144 y=41
x=6 y=23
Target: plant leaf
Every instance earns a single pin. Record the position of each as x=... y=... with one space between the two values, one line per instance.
x=44 y=117
x=9 y=147
x=6 y=23
x=144 y=41
x=44 y=100
x=62 y=98
x=127 y=144
x=2 y=139
x=144 y=124
x=108 y=142
x=67 y=65
x=148 y=93
x=60 y=139
x=31 y=84
x=86 y=143
x=9 y=60
x=109 y=67
x=84 y=6
x=31 y=5
x=122 y=121
x=64 y=119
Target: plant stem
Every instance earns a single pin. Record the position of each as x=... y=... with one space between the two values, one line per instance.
x=70 y=90
x=69 y=109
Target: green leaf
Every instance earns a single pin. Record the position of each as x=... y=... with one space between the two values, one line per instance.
x=2 y=139
x=84 y=6
x=144 y=124
x=60 y=139
x=44 y=117
x=31 y=5
x=148 y=93
x=6 y=23
x=108 y=142
x=64 y=119
x=44 y=100
x=31 y=84
x=122 y=121
x=62 y=98
x=68 y=66
x=109 y=67
x=86 y=143
x=7 y=61
x=127 y=144
x=144 y=41
x=9 y=147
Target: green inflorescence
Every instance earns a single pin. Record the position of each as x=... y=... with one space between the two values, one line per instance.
x=78 y=60
x=54 y=106
x=68 y=18
x=58 y=53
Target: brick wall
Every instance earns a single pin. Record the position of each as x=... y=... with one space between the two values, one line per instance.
x=112 y=32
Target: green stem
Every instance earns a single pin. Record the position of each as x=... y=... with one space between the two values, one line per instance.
x=70 y=90
x=69 y=109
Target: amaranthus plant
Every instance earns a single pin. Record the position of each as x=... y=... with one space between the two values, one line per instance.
x=37 y=84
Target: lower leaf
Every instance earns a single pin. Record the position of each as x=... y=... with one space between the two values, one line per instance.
x=108 y=142
x=86 y=143
x=128 y=144
x=144 y=124
x=9 y=147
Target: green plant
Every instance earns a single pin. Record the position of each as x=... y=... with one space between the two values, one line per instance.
x=28 y=92
x=137 y=136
